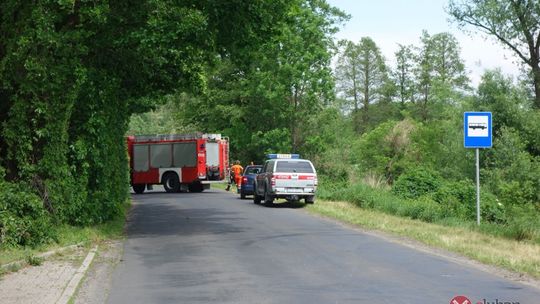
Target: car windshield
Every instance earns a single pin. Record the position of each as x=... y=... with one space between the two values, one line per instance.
x=253 y=170
x=292 y=166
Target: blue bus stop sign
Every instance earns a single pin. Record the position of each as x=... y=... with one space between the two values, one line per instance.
x=477 y=128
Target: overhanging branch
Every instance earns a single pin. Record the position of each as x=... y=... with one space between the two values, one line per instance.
x=491 y=31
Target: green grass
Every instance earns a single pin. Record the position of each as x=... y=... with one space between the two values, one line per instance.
x=469 y=241
x=11 y=268
x=69 y=235
x=521 y=226
x=221 y=186
x=34 y=260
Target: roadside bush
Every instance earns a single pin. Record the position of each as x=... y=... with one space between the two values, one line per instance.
x=523 y=223
x=328 y=188
x=522 y=230
x=23 y=220
x=491 y=209
x=385 y=201
x=431 y=210
x=458 y=197
x=438 y=144
x=512 y=173
x=381 y=151
x=410 y=208
x=333 y=173
x=356 y=194
x=417 y=182
x=432 y=214
x=361 y=195
x=453 y=204
x=517 y=192
x=423 y=208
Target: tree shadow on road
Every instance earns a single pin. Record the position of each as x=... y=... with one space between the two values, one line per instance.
x=155 y=219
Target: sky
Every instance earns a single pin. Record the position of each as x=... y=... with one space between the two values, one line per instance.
x=393 y=22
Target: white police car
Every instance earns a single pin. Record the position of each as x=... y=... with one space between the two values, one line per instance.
x=286 y=176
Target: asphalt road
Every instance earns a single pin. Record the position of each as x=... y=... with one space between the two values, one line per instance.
x=212 y=247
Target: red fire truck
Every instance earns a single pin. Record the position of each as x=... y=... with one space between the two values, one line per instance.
x=180 y=162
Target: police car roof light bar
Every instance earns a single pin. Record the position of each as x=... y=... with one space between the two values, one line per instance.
x=283 y=156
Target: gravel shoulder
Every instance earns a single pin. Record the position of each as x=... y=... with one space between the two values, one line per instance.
x=95 y=287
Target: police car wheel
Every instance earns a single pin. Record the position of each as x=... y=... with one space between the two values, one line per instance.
x=256 y=198
x=268 y=199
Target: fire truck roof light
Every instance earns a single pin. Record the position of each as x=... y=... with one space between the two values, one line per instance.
x=282 y=156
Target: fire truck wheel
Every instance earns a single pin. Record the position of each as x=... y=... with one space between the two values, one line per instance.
x=195 y=187
x=139 y=188
x=171 y=182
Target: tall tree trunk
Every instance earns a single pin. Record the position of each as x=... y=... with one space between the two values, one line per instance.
x=294 y=123
x=536 y=79
x=355 y=93
x=403 y=91
x=355 y=89
x=365 y=110
x=367 y=96
x=425 y=104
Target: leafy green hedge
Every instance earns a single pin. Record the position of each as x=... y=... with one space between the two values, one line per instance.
x=72 y=74
x=23 y=220
x=417 y=182
x=451 y=204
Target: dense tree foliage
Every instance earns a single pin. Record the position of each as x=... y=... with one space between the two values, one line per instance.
x=439 y=72
x=403 y=74
x=514 y=23
x=72 y=73
x=271 y=103
x=362 y=75
x=75 y=76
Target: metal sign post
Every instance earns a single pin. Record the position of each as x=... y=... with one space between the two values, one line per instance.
x=477 y=186
x=477 y=134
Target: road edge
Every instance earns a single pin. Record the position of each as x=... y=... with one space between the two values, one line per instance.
x=71 y=287
x=451 y=256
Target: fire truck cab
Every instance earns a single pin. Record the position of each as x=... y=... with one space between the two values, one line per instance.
x=179 y=162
